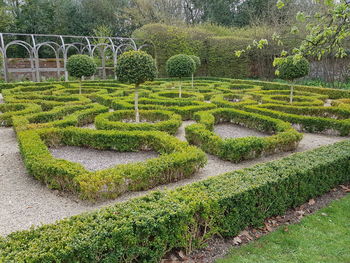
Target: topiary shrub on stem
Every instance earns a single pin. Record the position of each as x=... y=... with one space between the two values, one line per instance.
x=291 y=68
x=197 y=62
x=180 y=66
x=80 y=66
x=136 y=67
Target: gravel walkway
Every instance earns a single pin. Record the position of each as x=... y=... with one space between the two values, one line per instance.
x=94 y=160
x=229 y=130
x=24 y=201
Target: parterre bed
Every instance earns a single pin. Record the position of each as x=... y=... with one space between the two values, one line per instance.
x=142 y=230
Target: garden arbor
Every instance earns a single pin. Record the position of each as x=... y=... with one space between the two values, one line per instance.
x=60 y=47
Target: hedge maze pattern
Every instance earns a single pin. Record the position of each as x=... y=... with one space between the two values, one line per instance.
x=143 y=229
x=53 y=114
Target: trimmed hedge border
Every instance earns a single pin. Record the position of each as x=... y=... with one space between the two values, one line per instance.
x=144 y=229
x=166 y=121
x=16 y=109
x=237 y=149
x=177 y=160
x=331 y=93
x=185 y=108
x=63 y=116
x=321 y=122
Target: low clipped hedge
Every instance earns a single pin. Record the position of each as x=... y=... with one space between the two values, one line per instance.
x=175 y=95
x=331 y=93
x=63 y=116
x=7 y=111
x=297 y=100
x=144 y=229
x=310 y=119
x=185 y=108
x=237 y=149
x=232 y=100
x=177 y=160
x=48 y=102
x=156 y=120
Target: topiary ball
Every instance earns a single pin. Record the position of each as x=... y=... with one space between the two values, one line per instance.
x=136 y=67
x=180 y=66
x=290 y=69
x=81 y=66
x=196 y=60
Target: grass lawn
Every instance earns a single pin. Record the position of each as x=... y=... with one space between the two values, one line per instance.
x=321 y=237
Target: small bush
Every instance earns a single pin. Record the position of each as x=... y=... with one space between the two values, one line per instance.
x=289 y=69
x=80 y=66
x=136 y=67
x=180 y=66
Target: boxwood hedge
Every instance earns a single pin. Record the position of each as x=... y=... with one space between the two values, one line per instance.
x=144 y=229
x=237 y=149
x=177 y=160
x=310 y=119
x=158 y=120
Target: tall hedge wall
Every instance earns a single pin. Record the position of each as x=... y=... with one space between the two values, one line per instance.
x=215 y=50
x=221 y=58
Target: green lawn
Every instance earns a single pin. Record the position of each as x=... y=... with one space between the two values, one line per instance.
x=322 y=237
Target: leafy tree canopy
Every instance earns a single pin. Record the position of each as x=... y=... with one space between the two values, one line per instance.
x=180 y=66
x=196 y=60
x=81 y=66
x=289 y=68
x=136 y=67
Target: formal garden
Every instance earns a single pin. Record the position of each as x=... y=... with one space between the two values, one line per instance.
x=140 y=154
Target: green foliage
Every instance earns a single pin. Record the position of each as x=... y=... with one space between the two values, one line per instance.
x=156 y=120
x=81 y=66
x=136 y=67
x=15 y=109
x=146 y=228
x=196 y=60
x=285 y=138
x=311 y=119
x=177 y=160
x=222 y=60
x=180 y=66
x=289 y=68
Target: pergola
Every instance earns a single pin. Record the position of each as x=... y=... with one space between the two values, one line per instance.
x=61 y=45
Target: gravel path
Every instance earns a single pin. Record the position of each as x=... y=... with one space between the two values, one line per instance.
x=229 y=130
x=94 y=160
x=24 y=201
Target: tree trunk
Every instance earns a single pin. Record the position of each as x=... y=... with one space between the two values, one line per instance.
x=192 y=80
x=180 y=90
x=291 y=93
x=137 y=114
x=80 y=80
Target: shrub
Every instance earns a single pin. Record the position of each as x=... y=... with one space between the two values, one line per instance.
x=136 y=67
x=180 y=66
x=80 y=66
x=290 y=69
x=177 y=160
x=15 y=109
x=160 y=121
x=63 y=116
x=310 y=119
x=285 y=138
x=146 y=228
